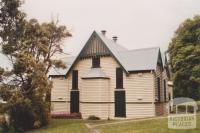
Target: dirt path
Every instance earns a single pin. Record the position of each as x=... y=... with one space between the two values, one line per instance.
x=92 y=129
x=126 y=121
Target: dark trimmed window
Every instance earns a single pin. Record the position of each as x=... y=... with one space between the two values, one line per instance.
x=75 y=80
x=95 y=62
x=169 y=95
x=158 y=86
x=119 y=78
x=165 y=97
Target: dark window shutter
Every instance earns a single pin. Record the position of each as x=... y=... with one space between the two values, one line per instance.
x=74 y=98
x=75 y=79
x=120 y=104
x=165 y=90
x=96 y=62
x=158 y=85
x=119 y=78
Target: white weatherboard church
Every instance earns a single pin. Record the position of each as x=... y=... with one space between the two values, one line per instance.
x=109 y=81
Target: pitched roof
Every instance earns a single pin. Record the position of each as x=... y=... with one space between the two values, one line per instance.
x=140 y=59
x=130 y=60
x=133 y=60
x=113 y=46
x=59 y=71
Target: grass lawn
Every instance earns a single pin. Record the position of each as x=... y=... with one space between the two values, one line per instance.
x=78 y=126
x=97 y=122
x=148 y=126
x=63 y=126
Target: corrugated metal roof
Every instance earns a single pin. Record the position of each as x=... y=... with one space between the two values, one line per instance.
x=113 y=46
x=164 y=59
x=130 y=60
x=59 y=71
x=133 y=60
x=139 y=59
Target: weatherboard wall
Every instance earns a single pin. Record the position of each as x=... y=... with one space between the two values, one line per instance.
x=97 y=95
x=161 y=107
x=60 y=95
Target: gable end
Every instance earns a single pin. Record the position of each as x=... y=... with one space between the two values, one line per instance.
x=89 y=51
x=94 y=47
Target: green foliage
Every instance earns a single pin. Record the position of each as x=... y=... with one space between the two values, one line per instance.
x=27 y=114
x=5 y=94
x=184 y=52
x=30 y=47
x=3 y=124
x=63 y=126
x=41 y=110
x=21 y=113
x=1 y=74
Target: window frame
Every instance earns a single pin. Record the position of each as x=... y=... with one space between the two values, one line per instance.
x=75 y=80
x=165 y=90
x=119 y=78
x=159 y=89
x=96 y=62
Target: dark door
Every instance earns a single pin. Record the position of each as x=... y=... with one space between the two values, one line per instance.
x=74 y=99
x=120 y=104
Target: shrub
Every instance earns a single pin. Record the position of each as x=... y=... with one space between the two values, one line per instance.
x=3 y=124
x=22 y=116
x=41 y=110
x=65 y=115
x=26 y=112
x=93 y=117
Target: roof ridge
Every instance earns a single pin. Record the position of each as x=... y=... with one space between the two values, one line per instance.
x=100 y=34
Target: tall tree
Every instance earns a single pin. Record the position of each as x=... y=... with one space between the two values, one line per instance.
x=184 y=52
x=30 y=48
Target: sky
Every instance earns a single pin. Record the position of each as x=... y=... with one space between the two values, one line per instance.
x=137 y=23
